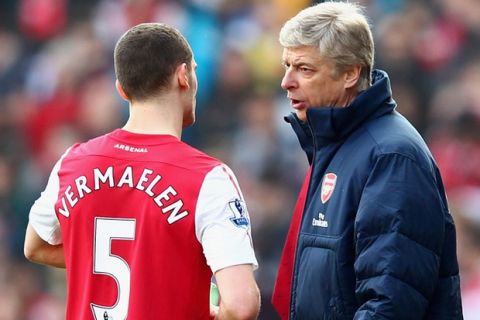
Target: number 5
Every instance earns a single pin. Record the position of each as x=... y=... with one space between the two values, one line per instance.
x=104 y=262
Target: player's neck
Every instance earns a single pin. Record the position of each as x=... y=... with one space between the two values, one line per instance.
x=159 y=117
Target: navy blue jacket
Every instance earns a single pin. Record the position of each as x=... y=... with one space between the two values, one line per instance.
x=376 y=240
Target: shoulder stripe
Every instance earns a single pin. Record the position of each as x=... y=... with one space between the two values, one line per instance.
x=237 y=188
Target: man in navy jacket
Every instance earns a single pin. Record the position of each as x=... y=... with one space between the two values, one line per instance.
x=371 y=236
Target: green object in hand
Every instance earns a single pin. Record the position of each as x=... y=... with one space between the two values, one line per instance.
x=214 y=295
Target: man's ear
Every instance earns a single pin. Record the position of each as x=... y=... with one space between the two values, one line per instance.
x=120 y=90
x=351 y=76
x=183 y=76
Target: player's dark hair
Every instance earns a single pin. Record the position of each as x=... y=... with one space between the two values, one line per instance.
x=146 y=57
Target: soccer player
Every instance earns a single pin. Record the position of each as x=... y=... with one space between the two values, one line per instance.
x=139 y=219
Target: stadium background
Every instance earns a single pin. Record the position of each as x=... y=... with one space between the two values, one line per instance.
x=57 y=87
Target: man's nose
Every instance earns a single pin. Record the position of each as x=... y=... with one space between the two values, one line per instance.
x=288 y=81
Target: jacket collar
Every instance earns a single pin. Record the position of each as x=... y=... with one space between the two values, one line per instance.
x=326 y=124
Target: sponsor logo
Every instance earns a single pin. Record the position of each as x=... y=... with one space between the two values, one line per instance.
x=328 y=186
x=239 y=213
x=320 y=222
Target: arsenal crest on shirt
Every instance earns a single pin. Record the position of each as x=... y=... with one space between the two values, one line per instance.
x=328 y=185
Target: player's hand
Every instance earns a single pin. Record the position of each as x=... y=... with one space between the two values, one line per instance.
x=213 y=311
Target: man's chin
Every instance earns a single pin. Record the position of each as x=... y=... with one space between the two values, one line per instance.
x=301 y=114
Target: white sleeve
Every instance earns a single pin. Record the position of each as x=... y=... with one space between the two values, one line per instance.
x=222 y=224
x=42 y=215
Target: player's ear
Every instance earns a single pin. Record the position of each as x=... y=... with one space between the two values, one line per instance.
x=351 y=76
x=182 y=76
x=120 y=90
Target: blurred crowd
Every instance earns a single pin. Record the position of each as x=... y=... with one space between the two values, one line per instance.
x=57 y=88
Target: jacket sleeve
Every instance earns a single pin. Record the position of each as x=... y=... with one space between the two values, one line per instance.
x=400 y=231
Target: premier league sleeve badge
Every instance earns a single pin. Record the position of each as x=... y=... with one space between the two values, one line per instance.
x=239 y=218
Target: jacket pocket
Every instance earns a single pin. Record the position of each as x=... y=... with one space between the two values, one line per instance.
x=316 y=293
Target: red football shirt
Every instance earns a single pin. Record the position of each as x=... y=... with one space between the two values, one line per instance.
x=144 y=220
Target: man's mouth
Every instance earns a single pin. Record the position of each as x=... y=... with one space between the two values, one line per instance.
x=297 y=104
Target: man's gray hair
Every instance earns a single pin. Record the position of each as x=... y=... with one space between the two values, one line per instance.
x=341 y=32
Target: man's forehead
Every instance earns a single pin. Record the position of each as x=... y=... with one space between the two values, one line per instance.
x=308 y=54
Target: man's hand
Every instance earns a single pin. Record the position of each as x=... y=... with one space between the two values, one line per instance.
x=213 y=312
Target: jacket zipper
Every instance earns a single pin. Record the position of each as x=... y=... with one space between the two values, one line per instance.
x=295 y=262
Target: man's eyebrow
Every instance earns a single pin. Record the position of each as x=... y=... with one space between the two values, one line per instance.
x=301 y=63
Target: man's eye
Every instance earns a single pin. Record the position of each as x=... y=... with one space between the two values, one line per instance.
x=304 y=69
